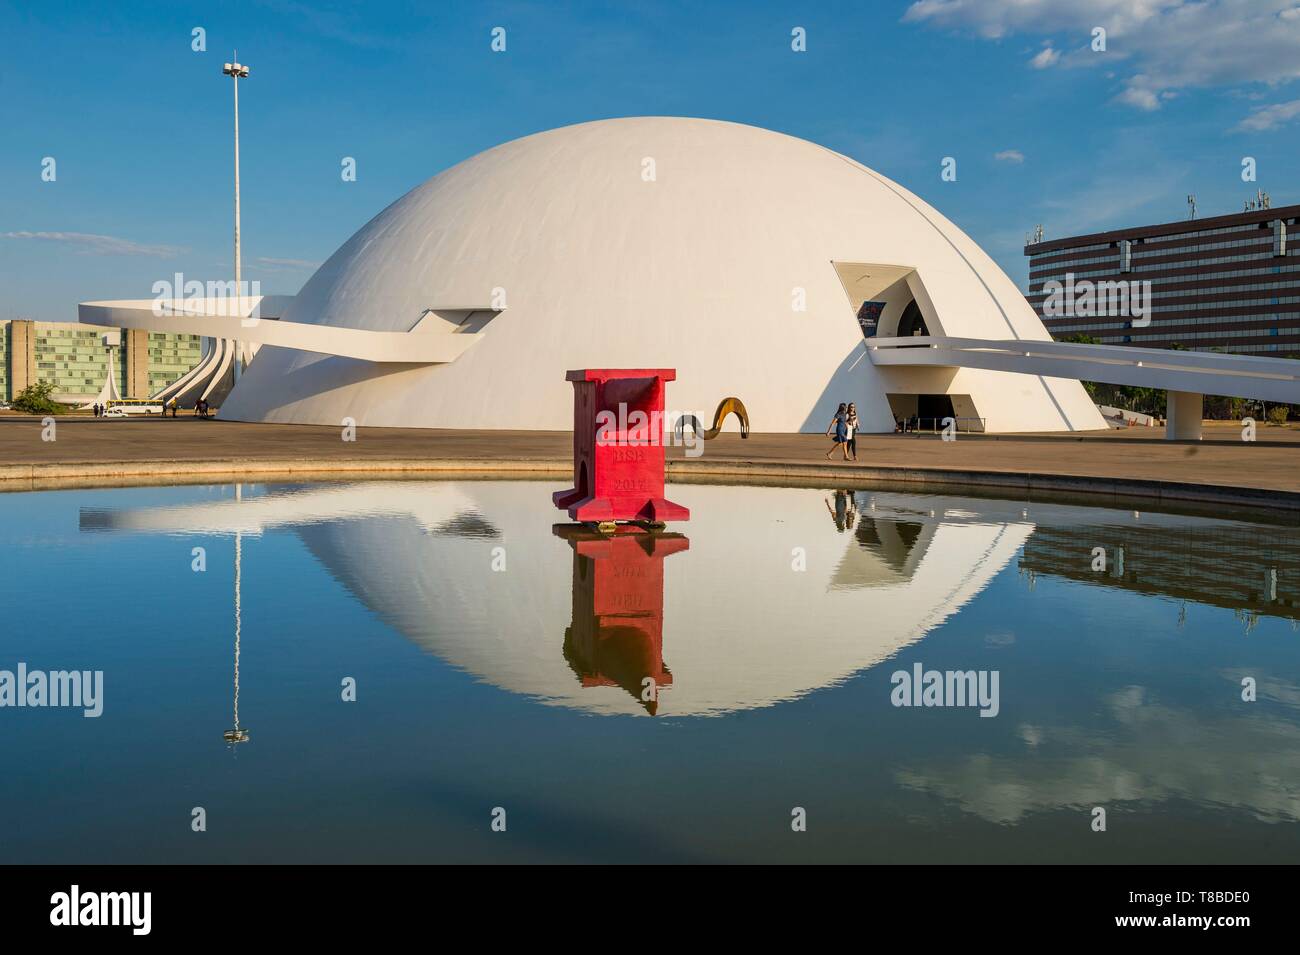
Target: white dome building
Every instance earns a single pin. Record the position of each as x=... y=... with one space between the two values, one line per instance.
x=739 y=256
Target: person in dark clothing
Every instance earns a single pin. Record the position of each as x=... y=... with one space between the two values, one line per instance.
x=838 y=431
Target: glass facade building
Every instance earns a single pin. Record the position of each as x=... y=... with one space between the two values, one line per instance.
x=1228 y=283
x=170 y=356
x=75 y=358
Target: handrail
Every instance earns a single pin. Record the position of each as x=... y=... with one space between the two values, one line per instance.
x=936 y=426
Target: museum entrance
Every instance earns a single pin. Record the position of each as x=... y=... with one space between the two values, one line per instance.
x=934 y=406
x=927 y=412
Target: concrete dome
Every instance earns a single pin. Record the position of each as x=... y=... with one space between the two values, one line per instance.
x=654 y=242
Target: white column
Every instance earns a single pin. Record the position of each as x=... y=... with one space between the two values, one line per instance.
x=1183 y=413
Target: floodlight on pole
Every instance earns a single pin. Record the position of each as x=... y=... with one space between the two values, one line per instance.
x=236 y=71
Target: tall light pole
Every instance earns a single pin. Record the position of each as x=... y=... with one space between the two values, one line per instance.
x=236 y=70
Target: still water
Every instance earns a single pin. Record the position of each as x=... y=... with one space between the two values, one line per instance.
x=644 y=698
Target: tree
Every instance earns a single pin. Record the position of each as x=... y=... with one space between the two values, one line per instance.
x=38 y=398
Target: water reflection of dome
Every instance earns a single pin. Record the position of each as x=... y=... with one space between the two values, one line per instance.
x=739 y=629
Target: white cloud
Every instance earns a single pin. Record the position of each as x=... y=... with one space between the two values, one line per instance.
x=276 y=265
x=1046 y=57
x=1169 y=45
x=998 y=18
x=1138 y=95
x=89 y=243
x=1146 y=753
x=1264 y=118
x=1010 y=155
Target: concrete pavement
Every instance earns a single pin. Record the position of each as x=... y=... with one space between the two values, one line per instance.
x=1266 y=470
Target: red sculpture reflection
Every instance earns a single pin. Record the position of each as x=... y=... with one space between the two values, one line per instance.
x=617 y=634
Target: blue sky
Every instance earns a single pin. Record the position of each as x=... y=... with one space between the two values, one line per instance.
x=139 y=124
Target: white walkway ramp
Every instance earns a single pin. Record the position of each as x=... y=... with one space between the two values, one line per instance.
x=1186 y=375
x=240 y=326
x=431 y=339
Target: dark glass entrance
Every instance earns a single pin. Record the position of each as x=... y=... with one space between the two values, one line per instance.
x=934 y=406
x=912 y=322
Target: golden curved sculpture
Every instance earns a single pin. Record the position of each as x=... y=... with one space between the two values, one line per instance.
x=725 y=407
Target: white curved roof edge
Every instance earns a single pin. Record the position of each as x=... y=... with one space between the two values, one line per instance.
x=428 y=342
x=1210 y=373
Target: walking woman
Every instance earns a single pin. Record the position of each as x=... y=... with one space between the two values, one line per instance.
x=851 y=424
x=839 y=431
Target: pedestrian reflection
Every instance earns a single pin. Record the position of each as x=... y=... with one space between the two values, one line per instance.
x=844 y=511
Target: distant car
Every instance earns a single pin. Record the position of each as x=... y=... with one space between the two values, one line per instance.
x=116 y=413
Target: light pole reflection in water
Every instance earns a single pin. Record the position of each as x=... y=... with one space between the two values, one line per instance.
x=236 y=734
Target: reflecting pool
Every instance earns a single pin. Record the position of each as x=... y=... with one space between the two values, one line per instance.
x=378 y=670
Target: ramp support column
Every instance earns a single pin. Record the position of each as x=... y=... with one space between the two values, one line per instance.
x=1184 y=410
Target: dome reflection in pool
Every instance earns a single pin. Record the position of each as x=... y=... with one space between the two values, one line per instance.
x=651 y=697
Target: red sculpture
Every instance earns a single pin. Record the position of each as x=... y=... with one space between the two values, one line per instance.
x=617 y=634
x=618 y=447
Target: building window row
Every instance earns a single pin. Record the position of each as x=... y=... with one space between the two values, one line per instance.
x=1077 y=248
x=1099 y=326
x=1231 y=228
x=1151 y=246
x=1192 y=293
x=1109 y=255
x=1152 y=240
x=1155 y=279
x=1210 y=306
x=1262 y=241
x=1227 y=303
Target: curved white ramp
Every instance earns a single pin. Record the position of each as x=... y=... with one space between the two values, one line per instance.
x=1206 y=373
